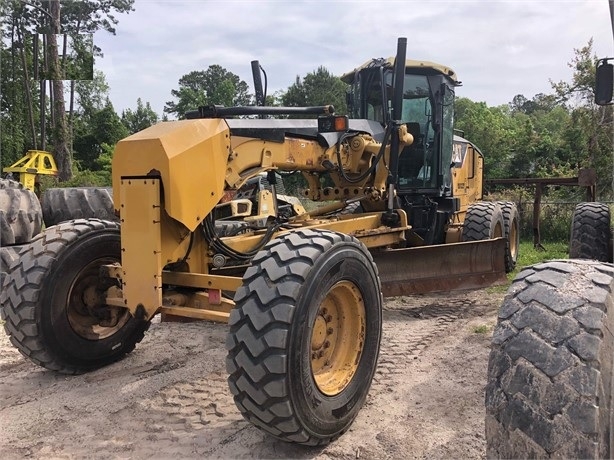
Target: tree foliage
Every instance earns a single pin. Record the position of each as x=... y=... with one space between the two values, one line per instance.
x=546 y=135
x=319 y=87
x=214 y=86
x=45 y=20
x=90 y=16
x=105 y=127
x=549 y=135
x=139 y=119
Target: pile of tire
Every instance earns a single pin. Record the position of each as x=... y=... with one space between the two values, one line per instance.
x=22 y=214
x=21 y=219
x=63 y=204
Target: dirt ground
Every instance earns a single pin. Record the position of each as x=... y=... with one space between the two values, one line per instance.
x=169 y=398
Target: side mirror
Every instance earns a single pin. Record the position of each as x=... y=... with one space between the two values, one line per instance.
x=604 y=82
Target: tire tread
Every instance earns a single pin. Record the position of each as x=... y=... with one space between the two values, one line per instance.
x=259 y=331
x=20 y=295
x=591 y=232
x=64 y=204
x=20 y=213
x=550 y=367
x=478 y=224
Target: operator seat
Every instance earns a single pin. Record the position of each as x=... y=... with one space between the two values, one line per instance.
x=410 y=159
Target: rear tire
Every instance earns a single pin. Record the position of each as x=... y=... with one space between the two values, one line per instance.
x=21 y=217
x=8 y=256
x=591 y=234
x=304 y=337
x=512 y=233
x=550 y=370
x=50 y=300
x=64 y=204
x=483 y=221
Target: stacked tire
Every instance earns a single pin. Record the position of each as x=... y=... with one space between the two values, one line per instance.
x=21 y=220
x=20 y=213
x=64 y=204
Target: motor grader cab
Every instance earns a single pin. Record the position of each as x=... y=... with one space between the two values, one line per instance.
x=299 y=289
x=440 y=173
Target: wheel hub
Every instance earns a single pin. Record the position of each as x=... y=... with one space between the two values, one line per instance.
x=87 y=314
x=337 y=338
x=318 y=337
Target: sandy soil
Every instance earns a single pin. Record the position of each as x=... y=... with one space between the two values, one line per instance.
x=169 y=398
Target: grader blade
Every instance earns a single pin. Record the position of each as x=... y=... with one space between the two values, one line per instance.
x=445 y=267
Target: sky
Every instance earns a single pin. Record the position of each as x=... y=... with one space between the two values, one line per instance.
x=498 y=48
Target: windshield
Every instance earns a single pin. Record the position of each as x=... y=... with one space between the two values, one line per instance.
x=417 y=162
x=427 y=111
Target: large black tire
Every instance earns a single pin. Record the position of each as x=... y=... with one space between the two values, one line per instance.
x=591 y=234
x=64 y=204
x=49 y=301
x=304 y=336
x=21 y=217
x=8 y=256
x=483 y=221
x=550 y=376
x=511 y=233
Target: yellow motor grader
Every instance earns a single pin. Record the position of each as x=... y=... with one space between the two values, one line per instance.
x=300 y=289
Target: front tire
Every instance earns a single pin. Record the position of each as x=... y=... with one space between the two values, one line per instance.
x=483 y=221
x=550 y=371
x=304 y=337
x=51 y=299
x=512 y=233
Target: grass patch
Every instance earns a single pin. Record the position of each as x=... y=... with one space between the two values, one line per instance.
x=501 y=288
x=529 y=255
x=481 y=329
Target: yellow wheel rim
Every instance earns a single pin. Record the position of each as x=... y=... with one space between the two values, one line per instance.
x=337 y=338
x=513 y=240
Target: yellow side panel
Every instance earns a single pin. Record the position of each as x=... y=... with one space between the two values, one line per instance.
x=141 y=245
x=190 y=156
x=467 y=178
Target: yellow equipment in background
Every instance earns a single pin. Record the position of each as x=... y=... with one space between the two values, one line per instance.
x=33 y=163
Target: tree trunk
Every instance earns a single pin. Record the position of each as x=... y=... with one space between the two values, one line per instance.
x=60 y=133
x=26 y=83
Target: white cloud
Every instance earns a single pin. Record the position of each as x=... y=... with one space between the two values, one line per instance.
x=498 y=48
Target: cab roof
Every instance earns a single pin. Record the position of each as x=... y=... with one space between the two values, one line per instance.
x=348 y=77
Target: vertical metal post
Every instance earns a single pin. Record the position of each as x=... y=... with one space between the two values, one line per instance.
x=537 y=244
x=395 y=124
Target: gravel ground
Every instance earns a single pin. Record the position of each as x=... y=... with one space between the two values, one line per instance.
x=169 y=398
